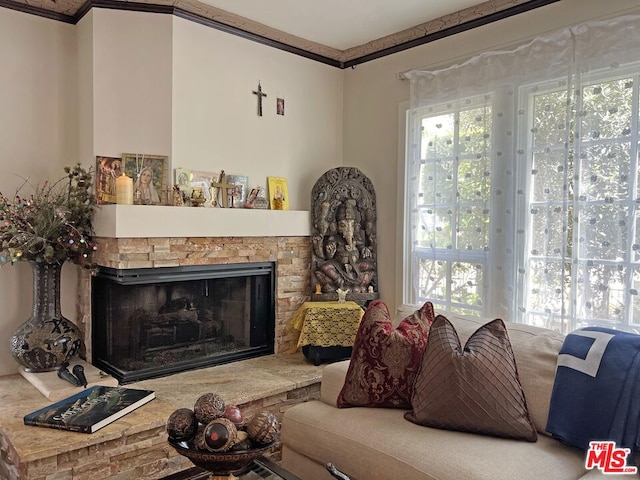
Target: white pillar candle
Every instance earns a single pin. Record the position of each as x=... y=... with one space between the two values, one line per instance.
x=124 y=190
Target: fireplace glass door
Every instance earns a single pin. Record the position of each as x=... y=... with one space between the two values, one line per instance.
x=154 y=322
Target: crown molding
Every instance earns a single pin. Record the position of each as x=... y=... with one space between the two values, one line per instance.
x=72 y=11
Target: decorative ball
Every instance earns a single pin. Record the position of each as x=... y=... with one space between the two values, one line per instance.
x=198 y=440
x=182 y=424
x=208 y=407
x=233 y=413
x=243 y=442
x=263 y=427
x=219 y=435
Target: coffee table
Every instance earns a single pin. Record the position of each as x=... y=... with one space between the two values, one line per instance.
x=261 y=469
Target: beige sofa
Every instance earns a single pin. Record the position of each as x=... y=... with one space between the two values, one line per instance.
x=379 y=444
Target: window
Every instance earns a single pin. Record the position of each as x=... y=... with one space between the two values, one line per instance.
x=524 y=189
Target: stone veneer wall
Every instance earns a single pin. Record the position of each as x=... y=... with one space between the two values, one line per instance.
x=291 y=255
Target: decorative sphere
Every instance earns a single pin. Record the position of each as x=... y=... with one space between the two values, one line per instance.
x=243 y=442
x=209 y=407
x=234 y=414
x=182 y=424
x=219 y=435
x=263 y=427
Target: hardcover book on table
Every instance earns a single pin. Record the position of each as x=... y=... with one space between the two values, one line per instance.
x=91 y=409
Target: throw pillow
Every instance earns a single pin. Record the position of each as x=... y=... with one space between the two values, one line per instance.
x=384 y=360
x=475 y=389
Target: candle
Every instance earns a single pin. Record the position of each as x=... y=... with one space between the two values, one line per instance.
x=124 y=190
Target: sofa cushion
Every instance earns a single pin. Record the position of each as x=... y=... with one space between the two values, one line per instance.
x=378 y=444
x=475 y=389
x=385 y=361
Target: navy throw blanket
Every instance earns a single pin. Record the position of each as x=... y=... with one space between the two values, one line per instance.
x=596 y=393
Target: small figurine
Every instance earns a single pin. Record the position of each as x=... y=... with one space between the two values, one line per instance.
x=197 y=199
x=342 y=295
x=177 y=196
x=318 y=289
x=251 y=198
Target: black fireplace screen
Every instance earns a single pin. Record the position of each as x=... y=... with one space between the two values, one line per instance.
x=158 y=321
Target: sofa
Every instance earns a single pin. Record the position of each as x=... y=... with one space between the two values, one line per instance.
x=380 y=444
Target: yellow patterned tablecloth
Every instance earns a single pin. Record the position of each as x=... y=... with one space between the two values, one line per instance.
x=327 y=324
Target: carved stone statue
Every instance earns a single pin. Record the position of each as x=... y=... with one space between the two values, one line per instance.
x=343 y=233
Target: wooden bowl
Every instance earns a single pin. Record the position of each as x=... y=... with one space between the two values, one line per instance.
x=220 y=463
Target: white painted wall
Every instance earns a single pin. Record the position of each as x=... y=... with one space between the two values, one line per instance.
x=373 y=94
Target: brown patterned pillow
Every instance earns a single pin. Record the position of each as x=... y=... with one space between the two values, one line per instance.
x=475 y=389
x=385 y=361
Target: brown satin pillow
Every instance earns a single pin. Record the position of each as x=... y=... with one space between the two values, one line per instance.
x=475 y=389
x=385 y=361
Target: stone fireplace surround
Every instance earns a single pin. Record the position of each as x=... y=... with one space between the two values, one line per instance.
x=179 y=236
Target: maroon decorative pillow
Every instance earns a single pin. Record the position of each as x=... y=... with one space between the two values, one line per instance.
x=385 y=361
x=471 y=389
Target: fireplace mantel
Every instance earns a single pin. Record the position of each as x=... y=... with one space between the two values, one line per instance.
x=145 y=221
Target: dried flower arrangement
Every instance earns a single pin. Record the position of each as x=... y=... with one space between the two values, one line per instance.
x=53 y=224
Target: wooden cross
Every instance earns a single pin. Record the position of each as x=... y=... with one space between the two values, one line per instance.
x=260 y=94
x=223 y=188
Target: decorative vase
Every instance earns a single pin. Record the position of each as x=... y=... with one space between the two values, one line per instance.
x=47 y=340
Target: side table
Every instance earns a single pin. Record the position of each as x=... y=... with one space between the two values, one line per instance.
x=327 y=329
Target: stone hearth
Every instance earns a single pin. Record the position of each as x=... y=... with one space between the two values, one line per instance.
x=135 y=447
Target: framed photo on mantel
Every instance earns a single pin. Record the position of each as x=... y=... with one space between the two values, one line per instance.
x=150 y=175
x=278 y=193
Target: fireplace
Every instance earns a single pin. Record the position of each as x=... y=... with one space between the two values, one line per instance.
x=152 y=322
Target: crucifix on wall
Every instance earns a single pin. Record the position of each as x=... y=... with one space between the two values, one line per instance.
x=260 y=94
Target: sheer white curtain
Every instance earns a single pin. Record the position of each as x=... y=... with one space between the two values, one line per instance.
x=523 y=182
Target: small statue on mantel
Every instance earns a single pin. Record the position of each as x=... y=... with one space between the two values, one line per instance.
x=178 y=201
x=251 y=198
x=197 y=198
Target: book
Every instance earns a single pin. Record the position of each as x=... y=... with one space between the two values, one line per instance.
x=278 y=193
x=91 y=409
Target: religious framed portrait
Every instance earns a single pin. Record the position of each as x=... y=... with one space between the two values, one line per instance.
x=150 y=175
x=238 y=194
x=278 y=193
x=107 y=170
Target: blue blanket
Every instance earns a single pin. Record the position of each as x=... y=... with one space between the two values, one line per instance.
x=596 y=393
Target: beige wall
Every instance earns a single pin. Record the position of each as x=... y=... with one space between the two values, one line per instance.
x=37 y=138
x=141 y=82
x=373 y=95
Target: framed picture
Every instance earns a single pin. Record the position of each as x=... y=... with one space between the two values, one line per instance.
x=278 y=193
x=238 y=196
x=150 y=175
x=182 y=178
x=107 y=170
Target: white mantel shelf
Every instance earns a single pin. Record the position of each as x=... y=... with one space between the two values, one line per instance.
x=142 y=221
